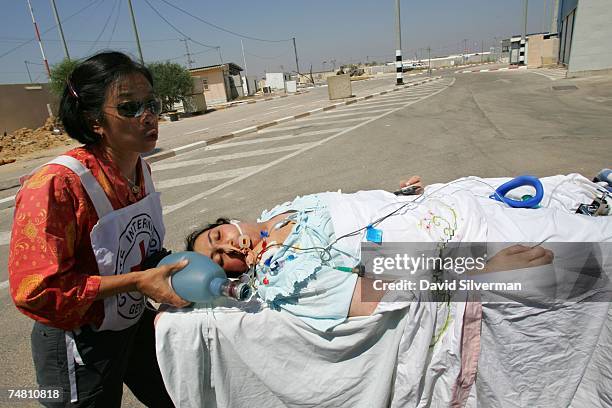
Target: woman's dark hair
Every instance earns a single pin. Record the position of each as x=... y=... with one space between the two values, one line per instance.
x=85 y=92
x=191 y=238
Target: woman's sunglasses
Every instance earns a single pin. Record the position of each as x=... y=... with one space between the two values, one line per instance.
x=135 y=109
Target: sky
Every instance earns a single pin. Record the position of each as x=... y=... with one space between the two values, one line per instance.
x=326 y=32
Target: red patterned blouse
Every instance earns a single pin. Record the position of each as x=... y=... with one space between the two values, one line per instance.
x=53 y=272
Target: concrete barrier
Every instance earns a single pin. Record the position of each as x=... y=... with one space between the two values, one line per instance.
x=339 y=86
x=291 y=86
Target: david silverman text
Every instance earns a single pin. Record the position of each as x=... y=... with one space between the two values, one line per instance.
x=467 y=284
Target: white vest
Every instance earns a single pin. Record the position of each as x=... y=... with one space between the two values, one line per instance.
x=121 y=240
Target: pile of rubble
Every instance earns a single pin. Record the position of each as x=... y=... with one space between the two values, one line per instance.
x=24 y=141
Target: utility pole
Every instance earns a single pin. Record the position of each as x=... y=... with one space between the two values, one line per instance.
x=481 y=50
x=135 y=32
x=220 y=57
x=40 y=44
x=189 y=60
x=28 y=69
x=522 y=55
x=297 y=65
x=61 y=31
x=399 y=65
x=429 y=63
x=246 y=71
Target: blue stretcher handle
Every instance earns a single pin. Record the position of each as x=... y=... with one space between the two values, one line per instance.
x=520 y=181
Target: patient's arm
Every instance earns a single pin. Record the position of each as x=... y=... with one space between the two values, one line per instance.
x=519 y=257
x=365 y=298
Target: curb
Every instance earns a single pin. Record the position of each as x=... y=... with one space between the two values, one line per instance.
x=467 y=71
x=251 y=101
x=10 y=202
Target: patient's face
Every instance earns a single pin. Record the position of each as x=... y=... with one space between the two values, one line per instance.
x=221 y=245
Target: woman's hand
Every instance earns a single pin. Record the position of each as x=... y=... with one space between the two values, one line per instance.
x=413 y=181
x=155 y=283
x=519 y=257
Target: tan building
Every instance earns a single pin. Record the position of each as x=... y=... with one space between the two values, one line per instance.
x=542 y=50
x=220 y=83
x=24 y=105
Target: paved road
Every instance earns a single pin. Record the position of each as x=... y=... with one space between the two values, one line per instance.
x=487 y=124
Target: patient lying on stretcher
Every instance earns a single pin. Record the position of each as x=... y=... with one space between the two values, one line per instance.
x=303 y=251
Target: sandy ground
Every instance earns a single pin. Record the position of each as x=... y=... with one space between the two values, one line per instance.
x=22 y=142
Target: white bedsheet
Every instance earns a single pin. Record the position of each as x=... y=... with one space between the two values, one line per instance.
x=530 y=357
x=237 y=355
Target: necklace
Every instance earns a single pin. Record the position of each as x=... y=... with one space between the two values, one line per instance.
x=133 y=186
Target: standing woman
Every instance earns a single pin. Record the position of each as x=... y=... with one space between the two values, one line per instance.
x=83 y=225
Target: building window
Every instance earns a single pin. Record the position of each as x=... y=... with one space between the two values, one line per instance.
x=205 y=83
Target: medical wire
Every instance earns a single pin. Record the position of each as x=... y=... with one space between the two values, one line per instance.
x=573 y=181
x=326 y=250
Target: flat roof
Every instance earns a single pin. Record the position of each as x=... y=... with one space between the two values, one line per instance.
x=233 y=68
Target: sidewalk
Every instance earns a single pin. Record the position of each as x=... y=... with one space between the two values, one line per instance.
x=255 y=99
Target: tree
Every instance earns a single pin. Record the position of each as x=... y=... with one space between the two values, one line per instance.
x=60 y=73
x=171 y=81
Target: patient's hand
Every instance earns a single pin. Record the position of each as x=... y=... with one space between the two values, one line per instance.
x=519 y=257
x=413 y=181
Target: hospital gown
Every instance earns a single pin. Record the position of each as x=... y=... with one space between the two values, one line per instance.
x=408 y=353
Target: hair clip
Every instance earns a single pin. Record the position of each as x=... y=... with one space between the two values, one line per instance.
x=71 y=89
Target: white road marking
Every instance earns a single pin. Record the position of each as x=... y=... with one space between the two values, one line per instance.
x=236 y=121
x=332 y=122
x=200 y=178
x=552 y=74
x=387 y=105
x=257 y=140
x=171 y=208
x=382 y=99
x=282 y=107
x=187 y=146
x=5 y=237
x=196 y=131
x=233 y=156
x=7 y=199
x=341 y=115
x=273 y=139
